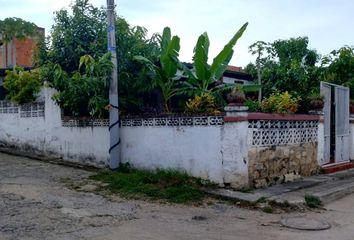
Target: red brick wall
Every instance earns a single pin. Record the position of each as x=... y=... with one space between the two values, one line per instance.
x=24 y=52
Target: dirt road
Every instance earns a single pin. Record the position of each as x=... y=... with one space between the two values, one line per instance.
x=35 y=203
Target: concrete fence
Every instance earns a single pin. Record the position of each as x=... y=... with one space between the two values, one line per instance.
x=240 y=149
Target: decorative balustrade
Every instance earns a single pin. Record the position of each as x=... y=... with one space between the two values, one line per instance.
x=35 y=109
x=173 y=121
x=32 y=110
x=278 y=132
x=8 y=107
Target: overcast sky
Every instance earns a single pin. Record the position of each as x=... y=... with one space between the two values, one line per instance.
x=329 y=24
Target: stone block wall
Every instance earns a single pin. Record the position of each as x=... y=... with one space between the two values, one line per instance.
x=278 y=164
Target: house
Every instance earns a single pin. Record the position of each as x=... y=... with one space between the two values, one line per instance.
x=19 y=52
x=236 y=75
x=232 y=75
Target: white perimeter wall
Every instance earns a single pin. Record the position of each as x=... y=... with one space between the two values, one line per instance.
x=214 y=152
x=46 y=136
x=351 y=137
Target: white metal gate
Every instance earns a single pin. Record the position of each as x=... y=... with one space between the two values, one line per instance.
x=326 y=92
x=342 y=124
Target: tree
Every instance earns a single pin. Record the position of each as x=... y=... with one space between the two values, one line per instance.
x=15 y=28
x=203 y=76
x=258 y=48
x=164 y=72
x=134 y=80
x=77 y=33
x=85 y=92
x=80 y=31
x=289 y=65
x=340 y=68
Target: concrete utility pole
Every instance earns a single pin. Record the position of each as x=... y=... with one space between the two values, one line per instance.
x=114 y=150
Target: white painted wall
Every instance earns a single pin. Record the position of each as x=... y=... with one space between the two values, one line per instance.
x=45 y=135
x=194 y=149
x=217 y=153
x=351 y=140
x=320 y=143
x=235 y=145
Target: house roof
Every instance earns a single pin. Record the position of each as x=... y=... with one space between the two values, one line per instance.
x=231 y=71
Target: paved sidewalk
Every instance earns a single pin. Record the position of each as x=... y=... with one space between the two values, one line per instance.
x=328 y=188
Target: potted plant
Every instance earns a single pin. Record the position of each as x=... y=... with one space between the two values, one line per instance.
x=237 y=96
x=316 y=101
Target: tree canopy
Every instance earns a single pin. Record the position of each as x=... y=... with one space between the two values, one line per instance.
x=16 y=28
x=80 y=31
x=288 y=65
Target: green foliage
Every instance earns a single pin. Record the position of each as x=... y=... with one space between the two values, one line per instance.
x=287 y=65
x=85 y=93
x=340 y=68
x=267 y=209
x=40 y=56
x=74 y=34
x=253 y=105
x=312 y=201
x=80 y=31
x=164 y=72
x=169 y=185
x=16 y=28
x=22 y=86
x=280 y=103
x=205 y=103
x=135 y=80
x=202 y=76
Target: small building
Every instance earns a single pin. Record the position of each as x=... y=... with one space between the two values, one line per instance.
x=19 y=52
x=236 y=75
x=232 y=75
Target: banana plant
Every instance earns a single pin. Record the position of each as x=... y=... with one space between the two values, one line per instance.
x=201 y=78
x=165 y=72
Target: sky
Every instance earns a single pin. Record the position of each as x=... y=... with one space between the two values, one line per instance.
x=329 y=24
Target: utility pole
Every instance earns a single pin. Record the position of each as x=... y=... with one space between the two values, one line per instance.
x=114 y=150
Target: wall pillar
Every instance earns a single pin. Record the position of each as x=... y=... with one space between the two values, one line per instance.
x=234 y=138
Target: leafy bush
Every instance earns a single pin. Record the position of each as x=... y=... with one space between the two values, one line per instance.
x=253 y=105
x=85 y=93
x=205 y=103
x=312 y=201
x=280 y=103
x=22 y=86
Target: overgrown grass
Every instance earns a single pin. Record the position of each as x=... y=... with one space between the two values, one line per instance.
x=169 y=185
x=312 y=201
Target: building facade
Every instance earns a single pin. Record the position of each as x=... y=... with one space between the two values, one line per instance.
x=19 y=52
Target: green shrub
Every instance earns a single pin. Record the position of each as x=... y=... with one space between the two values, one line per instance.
x=85 y=92
x=204 y=103
x=312 y=201
x=267 y=209
x=253 y=105
x=22 y=86
x=280 y=103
